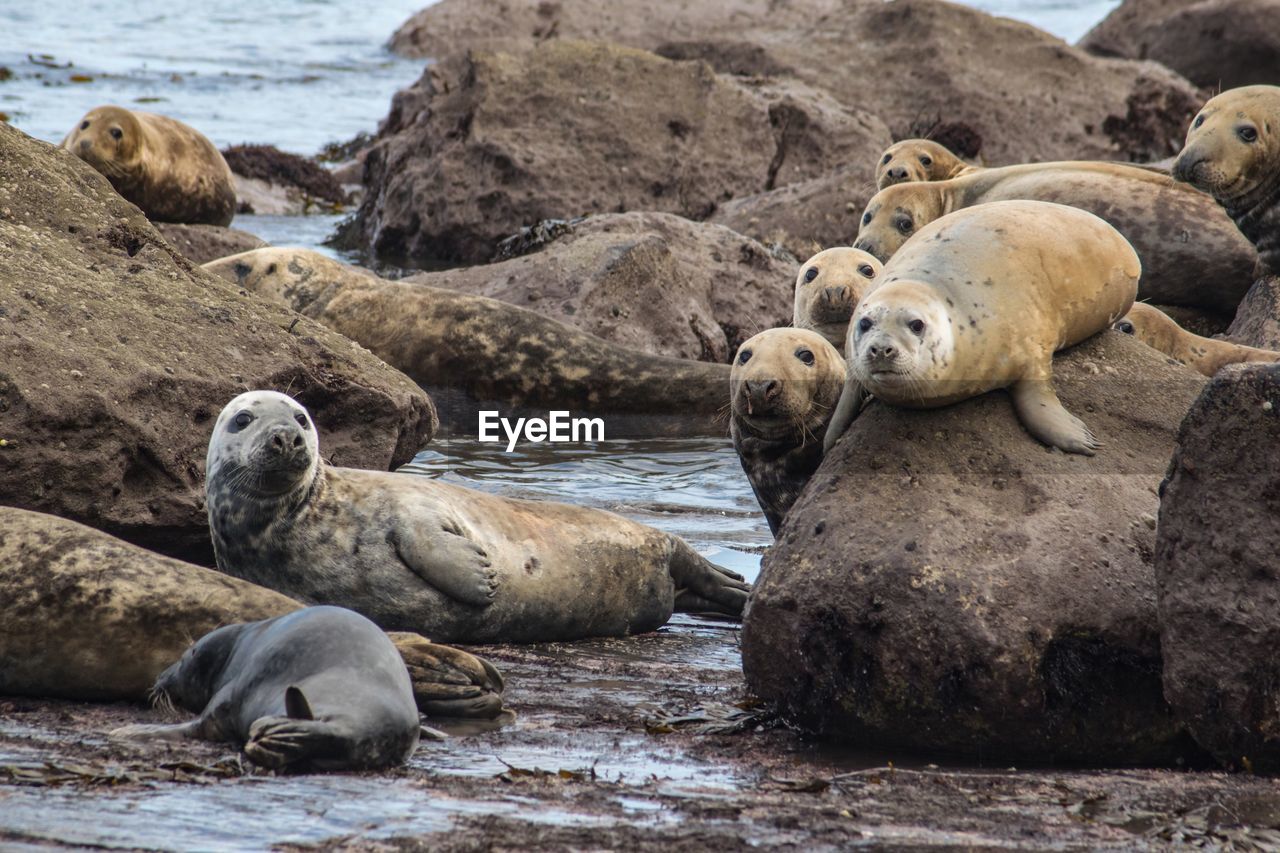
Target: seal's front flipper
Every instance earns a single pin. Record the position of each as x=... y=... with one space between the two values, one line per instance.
x=849 y=407
x=278 y=742
x=704 y=587
x=445 y=556
x=1044 y=417
x=177 y=731
x=449 y=682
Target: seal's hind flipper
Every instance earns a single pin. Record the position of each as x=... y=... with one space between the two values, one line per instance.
x=444 y=555
x=296 y=706
x=278 y=742
x=702 y=586
x=1043 y=415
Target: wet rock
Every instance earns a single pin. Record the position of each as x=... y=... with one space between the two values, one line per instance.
x=1219 y=44
x=203 y=243
x=947 y=584
x=271 y=182
x=1019 y=92
x=488 y=143
x=1257 y=321
x=653 y=282
x=1216 y=569
x=118 y=354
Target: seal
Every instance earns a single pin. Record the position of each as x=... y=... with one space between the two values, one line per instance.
x=321 y=688
x=981 y=299
x=782 y=392
x=828 y=286
x=1159 y=331
x=416 y=554
x=473 y=353
x=919 y=160
x=1232 y=152
x=1192 y=254
x=169 y=169
x=93 y=618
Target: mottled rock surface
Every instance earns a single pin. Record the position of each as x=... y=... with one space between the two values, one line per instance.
x=203 y=243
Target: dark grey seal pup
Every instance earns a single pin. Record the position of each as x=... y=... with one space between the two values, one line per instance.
x=415 y=554
x=321 y=688
x=783 y=389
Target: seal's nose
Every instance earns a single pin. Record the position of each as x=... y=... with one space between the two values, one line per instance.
x=1185 y=167
x=85 y=145
x=763 y=390
x=835 y=295
x=881 y=351
x=284 y=438
x=242 y=270
x=898 y=173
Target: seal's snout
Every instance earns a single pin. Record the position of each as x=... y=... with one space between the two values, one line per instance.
x=881 y=352
x=285 y=439
x=835 y=296
x=242 y=270
x=1185 y=167
x=86 y=145
x=870 y=248
x=897 y=174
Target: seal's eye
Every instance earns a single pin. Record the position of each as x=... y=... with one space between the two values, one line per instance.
x=744 y=356
x=84 y=125
x=866 y=218
x=916 y=326
x=271 y=269
x=926 y=160
x=805 y=355
x=117 y=133
x=810 y=274
x=1125 y=326
x=886 y=159
x=866 y=271
x=864 y=324
x=1248 y=134
x=302 y=420
x=903 y=224
x=242 y=420
x=1199 y=121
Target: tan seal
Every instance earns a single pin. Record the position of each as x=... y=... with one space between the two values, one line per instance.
x=919 y=160
x=169 y=169
x=1232 y=152
x=1158 y=330
x=782 y=393
x=981 y=299
x=1192 y=254
x=828 y=286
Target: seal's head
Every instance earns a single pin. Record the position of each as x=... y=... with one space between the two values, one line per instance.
x=1233 y=145
x=109 y=139
x=894 y=214
x=193 y=680
x=1150 y=325
x=916 y=160
x=900 y=337
x=828 y=286
x=785 y=382
x=299 y=278
x=264 y=445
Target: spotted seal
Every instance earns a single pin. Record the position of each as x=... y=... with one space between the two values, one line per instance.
x=167 y=168
x=782 y=392
x=416 y=554
x=1159 y=331
x=919 y=160
x=828 y=285
x=981 y=299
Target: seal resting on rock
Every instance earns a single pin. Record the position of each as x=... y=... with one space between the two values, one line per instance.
x=981 y=299
x=828 y=286
x=919 y=160
x=415 y=554
x=783 y=389
x=321 y=688
x=169 y=169
x=1232 y=152
x=1191 y=253
x=1158 y=330
x=472 y=353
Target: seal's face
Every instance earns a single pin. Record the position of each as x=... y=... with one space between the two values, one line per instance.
x=914 y=160
x=264 y=444
x=1233 y=143
x=893 y=215
x=830 y=284
x=899 y=339
x=109 y=139
x=1150 y=325
x=191 y=682
x=785 y=382
x=294 y=277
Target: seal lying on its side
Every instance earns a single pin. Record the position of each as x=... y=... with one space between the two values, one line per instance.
x=783 y=389
x=980 y=300
x=919 y=160
x=415 y=554
x=169 y=169
x=828 y=286
x=1232 y=152
x=471 y=353
x=320 y=688
x=1158 y=330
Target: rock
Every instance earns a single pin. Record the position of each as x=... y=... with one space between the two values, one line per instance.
x=650 y=281
x=118 y=354
x=203 y=243
x=487 y=143
x=1218 y=44
x=948 y=584
x=1216 y=572
x=271 y=182
x=1257 y=321
x=1019 y=93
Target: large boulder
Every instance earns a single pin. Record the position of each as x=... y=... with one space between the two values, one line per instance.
x=487 y=143
x=1218 y=44
x=945 y=583
x=1217 y=574
x=653 y=282
x=203 y=243
x=917 y=64
x=118 y=354
x=1257 y=320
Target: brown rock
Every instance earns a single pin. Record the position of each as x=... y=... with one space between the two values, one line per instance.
x=1257 y=321
x=118 y=354
x=945 y=583
x=1217 y=575
x=491 y=142
x=1219 y=44
x=654 y=282
x=203 y=243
